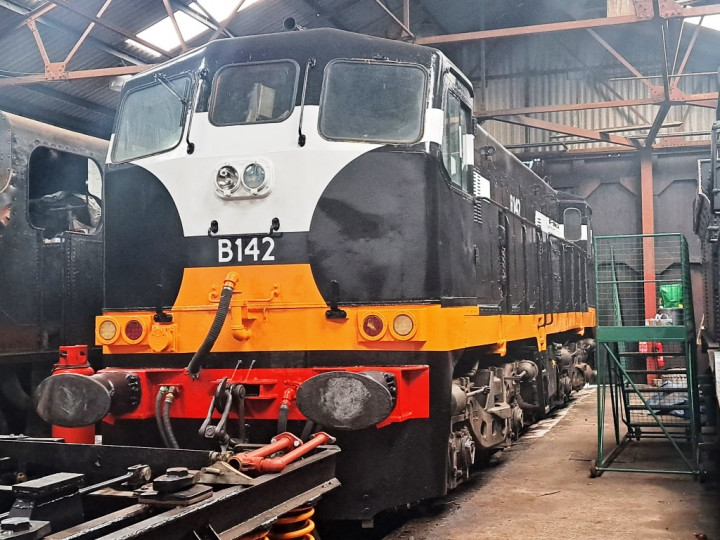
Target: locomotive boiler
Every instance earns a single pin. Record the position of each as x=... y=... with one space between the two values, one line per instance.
x=309 y=232
x=51 y=246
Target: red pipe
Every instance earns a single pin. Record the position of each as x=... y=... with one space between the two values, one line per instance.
x=280 y=443
x=261 y=464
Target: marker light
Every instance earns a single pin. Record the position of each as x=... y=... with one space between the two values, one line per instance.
x=403 y=325
x=108 y=330
x=373 y=326
x=227 y=179
x=253 y=177
x=134 y=330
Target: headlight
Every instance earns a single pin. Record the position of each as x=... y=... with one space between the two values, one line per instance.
x=108 y=330
x=403 y=325
x=253 y=177
x=227 y=179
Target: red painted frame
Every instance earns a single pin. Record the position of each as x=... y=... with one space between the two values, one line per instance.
x=265 y=388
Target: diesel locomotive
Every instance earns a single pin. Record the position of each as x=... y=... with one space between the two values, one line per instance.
x=308 y=232
x=51 y=246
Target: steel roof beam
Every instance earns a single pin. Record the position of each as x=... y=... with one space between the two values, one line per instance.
x=178 y=33
x=620 y=58
x=677 y=97
x=681 y=70
x=71 y=75
x=204 y=18
x=674 y=11
x=94 y=42
x=570 y=130
x=224 y=23
x=529 y=30
x=484 y=115
x=657 y=124
x=699 y=11
x=394 y=18
x=112 y=28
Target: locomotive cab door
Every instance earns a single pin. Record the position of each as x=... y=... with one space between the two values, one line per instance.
x=458 y=216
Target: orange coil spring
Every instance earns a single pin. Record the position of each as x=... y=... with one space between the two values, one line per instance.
x=294 y=525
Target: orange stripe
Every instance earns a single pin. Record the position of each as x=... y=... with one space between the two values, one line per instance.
x=278 y=308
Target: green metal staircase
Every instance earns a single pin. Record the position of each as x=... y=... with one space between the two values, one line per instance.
x=646 y=344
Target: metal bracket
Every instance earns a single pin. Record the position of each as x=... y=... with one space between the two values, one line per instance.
x=222 y=398
x=644 y=9
x=669 y=9
x=55 y=71
x=220 y=473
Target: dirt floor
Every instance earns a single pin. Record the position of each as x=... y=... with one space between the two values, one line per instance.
x=540 y=488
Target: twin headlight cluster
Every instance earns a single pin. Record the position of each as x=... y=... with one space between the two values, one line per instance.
x=374 y=326
x=132 y=331
x=243 y=180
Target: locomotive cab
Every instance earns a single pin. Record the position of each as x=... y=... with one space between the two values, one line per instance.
x=51 y=245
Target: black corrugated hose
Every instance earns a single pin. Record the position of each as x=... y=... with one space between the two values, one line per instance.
x=171 y=440
x=158 y=415
x=193 y=368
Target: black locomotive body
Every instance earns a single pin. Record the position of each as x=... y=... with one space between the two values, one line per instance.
x=311 y=226
x=706 y=223
x=50 y=277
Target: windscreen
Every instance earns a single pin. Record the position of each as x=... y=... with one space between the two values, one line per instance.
x=254 y=93
x=151 y=118
x=373 y=101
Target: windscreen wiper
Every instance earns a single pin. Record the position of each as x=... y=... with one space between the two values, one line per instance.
x=162 y=79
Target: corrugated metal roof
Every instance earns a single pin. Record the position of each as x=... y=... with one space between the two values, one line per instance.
x=549 y=69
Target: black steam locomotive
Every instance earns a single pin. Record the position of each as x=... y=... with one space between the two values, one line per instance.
x=51 y=246
x=309 y=232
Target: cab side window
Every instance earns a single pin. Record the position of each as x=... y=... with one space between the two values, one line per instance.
x=457 y=128
x=64 y=192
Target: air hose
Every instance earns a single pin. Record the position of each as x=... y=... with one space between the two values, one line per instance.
x=169 y=398
x=158 y=415
x=193 y=368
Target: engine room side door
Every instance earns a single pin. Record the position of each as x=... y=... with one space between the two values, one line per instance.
x=489 y=234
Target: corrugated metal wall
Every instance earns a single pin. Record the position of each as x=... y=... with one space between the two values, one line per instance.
x=570 y=68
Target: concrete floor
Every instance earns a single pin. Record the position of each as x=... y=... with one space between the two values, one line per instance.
x=540 y=488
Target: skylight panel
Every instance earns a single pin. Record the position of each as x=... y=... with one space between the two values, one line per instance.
x=162 y=34
x=709 y=21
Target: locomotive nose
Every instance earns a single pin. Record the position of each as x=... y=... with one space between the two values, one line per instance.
x=346 y=400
